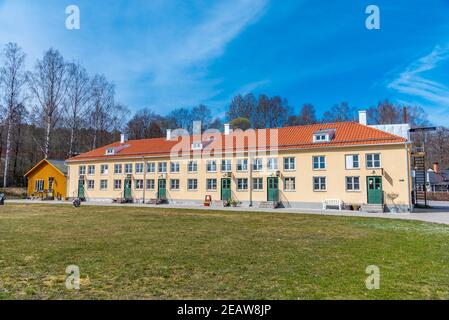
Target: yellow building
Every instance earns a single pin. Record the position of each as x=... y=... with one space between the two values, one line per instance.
x=301 y=167
x=47 y=180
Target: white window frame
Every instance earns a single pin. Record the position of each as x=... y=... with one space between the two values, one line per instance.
x=128 y=166
x=104 y=169
x=82 y=170
x=39 y=185
x=151 y=167
x=91 y=170
x=176 y=186
x=242 y=165
x=192 y=166
x=258 y=184
x=192 y=184
x=349 y=158
x=89 y=187
x=258 y=164
x=272 y=164
x=162 y=167
x=117 y=165
x=115 y=184
x=242 y=184
x=138 y=168
x=350 y=180
x=288 y=184
x=320 y=184
x=175 y=167
x=138 y=184
x=373 y=166
x=211 y=166
x=226 y=165
x=151 y=184
x=211 y=184
x=102 y=187
x=321 y=160
x=288 y=164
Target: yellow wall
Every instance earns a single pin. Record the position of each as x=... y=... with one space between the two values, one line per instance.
x=43 y=172
x=395 y=176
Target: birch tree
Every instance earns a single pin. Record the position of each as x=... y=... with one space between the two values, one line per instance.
x=76 y=102
x=48 y=85
x=12 y=81
x=102 y=106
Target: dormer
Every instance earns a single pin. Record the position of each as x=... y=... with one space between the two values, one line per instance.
x=197 y=146
x=110 y=151
x=323 y=135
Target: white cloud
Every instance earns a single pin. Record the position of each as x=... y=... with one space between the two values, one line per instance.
x=157 y=53
x=417 y=83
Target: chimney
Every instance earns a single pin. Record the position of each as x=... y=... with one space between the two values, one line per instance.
x=436 y=167
x=227 y=129
x=123 y=138
x=362 y=117
x=168 y=134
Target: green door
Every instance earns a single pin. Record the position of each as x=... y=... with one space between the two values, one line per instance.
x=162 y=189
x=225 y=189
x=375 y=192
x=81 y=189
x=273 y=189
x=127 y=190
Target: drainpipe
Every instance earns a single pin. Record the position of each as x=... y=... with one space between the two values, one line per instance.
x=144 y=178
x=410 y=206
x=250 y=182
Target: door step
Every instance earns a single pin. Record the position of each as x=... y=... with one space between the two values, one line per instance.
x=373 y=208
x=268 y=204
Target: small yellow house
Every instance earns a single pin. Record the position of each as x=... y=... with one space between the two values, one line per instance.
x=47 y=180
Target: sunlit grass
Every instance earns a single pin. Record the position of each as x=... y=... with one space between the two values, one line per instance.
x=147 y=253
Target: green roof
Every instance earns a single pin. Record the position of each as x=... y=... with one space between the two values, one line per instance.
x=60 y=165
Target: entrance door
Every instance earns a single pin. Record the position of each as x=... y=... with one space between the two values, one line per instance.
x=127 y=190
x=273 y=189
x=81 y=189
x=162 y=189
x=375 y=192
x=225 y=189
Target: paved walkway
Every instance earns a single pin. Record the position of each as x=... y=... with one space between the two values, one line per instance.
x=439 y=211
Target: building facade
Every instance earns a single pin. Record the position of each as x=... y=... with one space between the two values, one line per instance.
x=47 y=180
x=298 y=167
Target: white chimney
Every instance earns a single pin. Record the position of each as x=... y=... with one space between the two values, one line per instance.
x=362 y=117
x=168 y=134
x=123 y=138
x=227 y=129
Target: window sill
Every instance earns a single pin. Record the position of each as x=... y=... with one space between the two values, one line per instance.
x=319 y=190
x=208 y=190
x=242 y=190
x=289 y=190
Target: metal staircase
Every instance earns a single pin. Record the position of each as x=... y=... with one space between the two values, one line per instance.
x=419 y=181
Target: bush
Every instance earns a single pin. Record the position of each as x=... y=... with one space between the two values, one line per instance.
x=14 y=193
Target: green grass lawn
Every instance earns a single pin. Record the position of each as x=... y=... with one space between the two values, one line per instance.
x=145 y=253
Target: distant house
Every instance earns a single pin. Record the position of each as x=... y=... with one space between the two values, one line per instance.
x=437 y=179
x=47 y=180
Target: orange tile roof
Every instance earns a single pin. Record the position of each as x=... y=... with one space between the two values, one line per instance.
x=298 y=137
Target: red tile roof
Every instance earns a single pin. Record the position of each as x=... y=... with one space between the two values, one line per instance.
x=298 y=137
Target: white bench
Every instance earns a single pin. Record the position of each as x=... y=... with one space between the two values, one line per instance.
x=333 y=203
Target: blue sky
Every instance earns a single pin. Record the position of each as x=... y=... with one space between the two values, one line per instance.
x=166 y=54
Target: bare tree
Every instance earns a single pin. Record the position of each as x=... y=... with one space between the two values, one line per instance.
x=340 y=113
x=48 y=84
x=12 y=80
x=76 y=102
x=101 y=107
